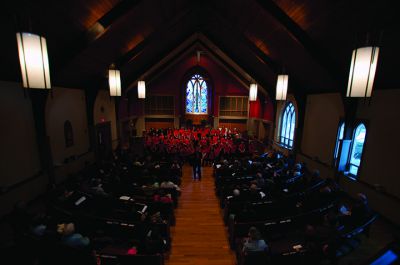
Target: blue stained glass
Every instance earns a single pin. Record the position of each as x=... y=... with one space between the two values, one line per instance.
x=288 y=124
x=357 y=148
x=204 y=98
x=196 y=95
x=189 y=98
x=339 y=137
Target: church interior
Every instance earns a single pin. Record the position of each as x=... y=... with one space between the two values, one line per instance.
x=168 y=132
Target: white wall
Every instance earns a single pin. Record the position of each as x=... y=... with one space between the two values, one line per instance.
x=104 y=110
x=379 y=166
x=323 y=112
x=67 y=104
x=19 y=153
x=381 y=150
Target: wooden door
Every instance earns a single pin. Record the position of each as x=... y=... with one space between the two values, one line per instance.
x=103 y=141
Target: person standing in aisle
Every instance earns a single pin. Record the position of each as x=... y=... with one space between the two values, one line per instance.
x=197 y=156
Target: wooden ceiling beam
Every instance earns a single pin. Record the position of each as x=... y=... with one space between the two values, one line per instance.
x=87 y=38
x=153 y=37
x=301 y=36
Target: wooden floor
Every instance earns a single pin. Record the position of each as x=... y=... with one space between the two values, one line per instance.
x=199 y=236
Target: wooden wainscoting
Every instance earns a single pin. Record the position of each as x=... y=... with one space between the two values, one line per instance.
x=159 y=123
x=239 y=124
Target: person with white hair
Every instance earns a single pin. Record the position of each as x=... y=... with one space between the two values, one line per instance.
x=236 y=192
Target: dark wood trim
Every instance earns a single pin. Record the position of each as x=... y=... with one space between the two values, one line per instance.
x=372 y=187
x=363 y=183
x=316 y=160
x=366 y=184
x=319 y=54
x=21 y=183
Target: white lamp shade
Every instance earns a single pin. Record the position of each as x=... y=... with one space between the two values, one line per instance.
x=362 y=72
x=253 y=92
x=114 y=80
x=281 y=87
x=141 y=89
x=34 y=61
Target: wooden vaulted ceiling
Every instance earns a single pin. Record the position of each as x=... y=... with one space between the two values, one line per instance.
x=310 y=40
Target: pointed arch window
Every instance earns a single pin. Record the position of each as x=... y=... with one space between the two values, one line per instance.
x=288 y=124
x=339 y=138
x=196 y=95
x=357 y=147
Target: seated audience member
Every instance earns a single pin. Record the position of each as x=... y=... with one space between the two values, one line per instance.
x=40 y=226
x=327 y=231
x=260 y=180
x=161 y=196
x=70 y=238
x=168 y=184
x=19 y=220
x=316 y=176
x=312 y=244
x=68 y=192
x=97 y=188
x=323 y=196
x=297 y=170
x=235 y=197
x=247 y=214
x=360 y=209
x=254 y=193
x=291 y=161
x=254 y=242
x=154 y=243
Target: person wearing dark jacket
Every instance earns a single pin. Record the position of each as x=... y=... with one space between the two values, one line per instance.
x=196 y=163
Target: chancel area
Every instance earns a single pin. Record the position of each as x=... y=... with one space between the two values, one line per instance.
x=245 y=132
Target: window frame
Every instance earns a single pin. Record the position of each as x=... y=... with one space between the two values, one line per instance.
x=283 y=125
x=204 y=78
x=348 y=164
x=338 y=141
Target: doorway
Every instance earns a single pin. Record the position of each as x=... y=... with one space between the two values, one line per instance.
x=103 y=141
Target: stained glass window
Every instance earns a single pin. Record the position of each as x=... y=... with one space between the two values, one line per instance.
x=339 y=138
x=196 y=95
x=357 y=148
x=288 y=123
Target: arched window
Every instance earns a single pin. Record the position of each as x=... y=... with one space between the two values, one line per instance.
x=68 y=134
x=357 y=148
x=196 y=95
x=288 y=124
x=339 y=138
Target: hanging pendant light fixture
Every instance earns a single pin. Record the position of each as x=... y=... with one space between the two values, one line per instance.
x=253 y=92
x=141 y=89
x=362 y=71
x=114 y=81
x=282 y=87
x=34 y=61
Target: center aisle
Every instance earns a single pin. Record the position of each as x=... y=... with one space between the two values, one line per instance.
x=199 y=236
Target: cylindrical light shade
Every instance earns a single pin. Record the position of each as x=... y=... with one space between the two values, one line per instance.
x=281 y=87
x=141 y=89
x=253 y=92
x=34 y=61
x=362 y=72
x=114 y=80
